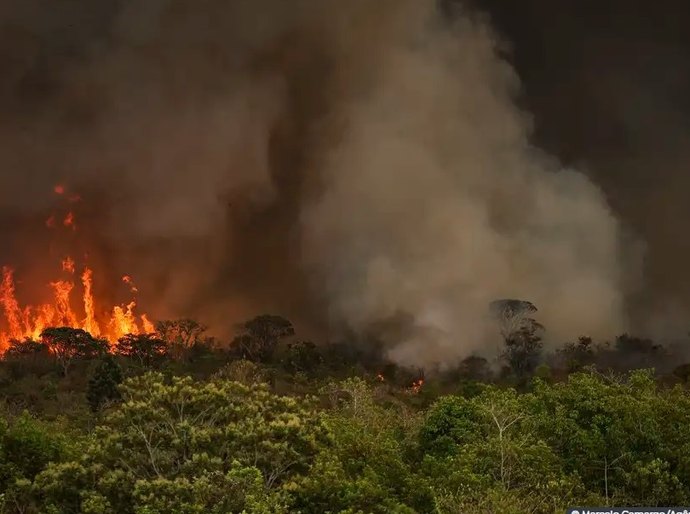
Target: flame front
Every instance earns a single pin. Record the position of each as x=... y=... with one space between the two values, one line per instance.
x=30 y=321
x=27 y=322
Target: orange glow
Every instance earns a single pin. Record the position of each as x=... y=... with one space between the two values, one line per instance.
x=19 y=322
x=28 y=322
x=128 y=280
x=380 y=377
x=90 y=323
x=69 y=221
x=417 y=386
x=68 y=265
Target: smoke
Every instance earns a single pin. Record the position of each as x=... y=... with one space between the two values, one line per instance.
x=338 y=162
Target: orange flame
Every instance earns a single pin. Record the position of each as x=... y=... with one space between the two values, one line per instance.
x=128 y=280
x=90 y=323
x=380 y=377
x=417 y=386
x=29 y=322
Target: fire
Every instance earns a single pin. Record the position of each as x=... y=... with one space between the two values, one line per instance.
x=68 y=265
x=128 y=280
x=73 y=303
x=380 y=377
x=417 y=386
x=69 y=221
x=30 y=321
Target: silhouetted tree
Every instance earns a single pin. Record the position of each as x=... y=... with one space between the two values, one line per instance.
x=302 y=357
x=260 y=336
x=521 y=335
x=181 y=335
x=25 y=347
x=575 y=356
x=68 y=344
x=146 y=349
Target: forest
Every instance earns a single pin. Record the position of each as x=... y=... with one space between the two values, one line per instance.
x=179 y=422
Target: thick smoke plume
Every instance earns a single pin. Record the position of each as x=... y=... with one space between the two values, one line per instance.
x=342 y=163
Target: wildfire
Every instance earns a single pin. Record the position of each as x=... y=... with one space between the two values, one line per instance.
x=128 y=280
x=417 y=386
x=69 y=221
x=73 y=305
x=68 y=265
x=380 y=377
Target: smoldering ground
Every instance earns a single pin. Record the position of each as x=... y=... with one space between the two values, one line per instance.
x=337 y=162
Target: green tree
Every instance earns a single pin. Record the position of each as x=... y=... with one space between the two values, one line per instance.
x=27 y=446
x=626 y=438
x=103 y=385
x=367 y=468
x=484 y=454
x=190 y=447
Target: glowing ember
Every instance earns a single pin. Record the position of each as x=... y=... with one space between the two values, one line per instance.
x=128 y=280
x=417 y=386
x=69 y=220
x=380 y=377
x=59 y=189
x=68 y=265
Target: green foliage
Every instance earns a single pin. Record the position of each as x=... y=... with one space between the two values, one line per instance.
x=103 y=385
x=366 y=469
x=27 y=446
x=617 y=436
x=219 y=436
x=226 y=442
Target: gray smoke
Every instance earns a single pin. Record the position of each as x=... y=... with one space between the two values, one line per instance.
x=338 y=162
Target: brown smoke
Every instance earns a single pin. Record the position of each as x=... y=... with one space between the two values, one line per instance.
x=338 y=162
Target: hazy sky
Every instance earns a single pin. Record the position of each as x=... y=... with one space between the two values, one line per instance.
x=343 y=163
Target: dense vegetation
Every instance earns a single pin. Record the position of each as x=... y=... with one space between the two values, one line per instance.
x=175 y=422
